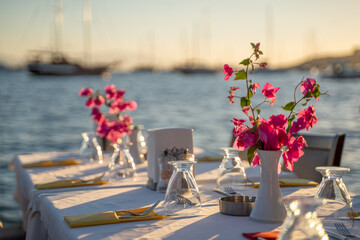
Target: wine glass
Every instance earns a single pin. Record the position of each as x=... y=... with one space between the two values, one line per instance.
x=121 y=164
x=231 y=172
x=182 y=193
x=338 y=204
x=302 y=221
x=90 y=150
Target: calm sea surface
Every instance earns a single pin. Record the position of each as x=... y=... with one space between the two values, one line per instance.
x=39 y=114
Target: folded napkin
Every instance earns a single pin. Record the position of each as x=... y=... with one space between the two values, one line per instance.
x=292 y=182
x=209 y=158
x=356 y=214
x=68 y=183
x=52 y=163
x=110 y=217
x=267 y=235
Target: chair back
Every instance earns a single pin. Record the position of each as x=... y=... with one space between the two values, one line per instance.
x=322 y=150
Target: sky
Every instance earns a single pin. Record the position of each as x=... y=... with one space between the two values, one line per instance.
x=172 y=32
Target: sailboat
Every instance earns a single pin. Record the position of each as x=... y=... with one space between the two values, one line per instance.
x=55 y=62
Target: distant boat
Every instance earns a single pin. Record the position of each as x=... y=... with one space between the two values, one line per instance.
x=54 y=62
x=195 y=69
x=342 y=70
x=58 y=65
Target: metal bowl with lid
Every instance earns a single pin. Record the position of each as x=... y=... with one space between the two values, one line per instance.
x=236 y=205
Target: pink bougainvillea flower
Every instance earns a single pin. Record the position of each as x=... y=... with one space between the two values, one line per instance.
x=120 y=93
x=269 y=92
x=132 y=105
x=294 y=151
x=110 y=91
x=256 y=160
x=234 y=88
x=308 y=86
x=297 y=126
x=255 y=86
x=86 y=92
x=246 y=110
x=99 y=101
x=90 y=102
x=278 y=121
x=228 y=71
x=263 y=65
x=97 y=115
x=309 y=116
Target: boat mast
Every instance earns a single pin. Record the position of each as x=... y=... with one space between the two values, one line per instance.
x=87 y=31
x=58 y=26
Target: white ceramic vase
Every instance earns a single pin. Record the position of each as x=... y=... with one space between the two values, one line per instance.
x=269 y=206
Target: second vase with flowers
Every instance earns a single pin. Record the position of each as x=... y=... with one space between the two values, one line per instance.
x=114 y=126
x=265 y=140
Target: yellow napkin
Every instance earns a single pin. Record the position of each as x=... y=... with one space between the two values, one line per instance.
x=50 y=163
x=210 y=158
x=110 y=217
x=355 y=214
x=293 y=182
x=68 y=183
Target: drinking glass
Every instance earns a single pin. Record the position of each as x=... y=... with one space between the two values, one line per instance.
x=338 y=204
x=141 y=143
x=231 y=172
x=90 y=150
x=121 y=163
x=182 y=193
x=302 y=221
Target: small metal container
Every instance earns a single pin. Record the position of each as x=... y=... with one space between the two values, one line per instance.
x=236 y=205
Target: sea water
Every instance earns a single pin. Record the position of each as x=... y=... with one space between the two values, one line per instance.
x=43 y=113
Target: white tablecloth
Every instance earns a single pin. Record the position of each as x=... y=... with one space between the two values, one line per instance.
x=44 y=210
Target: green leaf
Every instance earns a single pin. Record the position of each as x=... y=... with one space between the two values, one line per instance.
x=241 y=75
x=244 y=102
x=308 y=94
x=245 y=62
x=289 y=106
x=251 y=153
x=251 y=94
x=289 y=123
x=260 y=52
x=316 y=93
x=253 y=45
x=258 y=111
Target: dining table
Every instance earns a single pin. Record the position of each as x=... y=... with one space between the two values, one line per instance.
x=44 y=210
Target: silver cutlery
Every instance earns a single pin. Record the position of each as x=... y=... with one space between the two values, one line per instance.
x=222 y=192
x=229 y=190
x=184 y=200
x=342 y=229
x=147 y=211
x=93 y=179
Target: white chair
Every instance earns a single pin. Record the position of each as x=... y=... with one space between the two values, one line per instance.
x=160 y=139
x=322 y=150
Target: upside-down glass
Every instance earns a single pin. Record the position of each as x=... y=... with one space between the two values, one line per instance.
x=141 y=143
x=231 y=171
x=121 y=163
x=90 y=150
x=302 y=221
x=338 y=204
x=182 y=193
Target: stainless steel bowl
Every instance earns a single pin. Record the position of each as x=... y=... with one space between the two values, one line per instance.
x=236 y=205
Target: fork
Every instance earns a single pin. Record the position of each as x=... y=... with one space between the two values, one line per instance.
x=229 y=190
x=93 y=179
x=183 y=200
x=147 y=211
x=344 y=231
